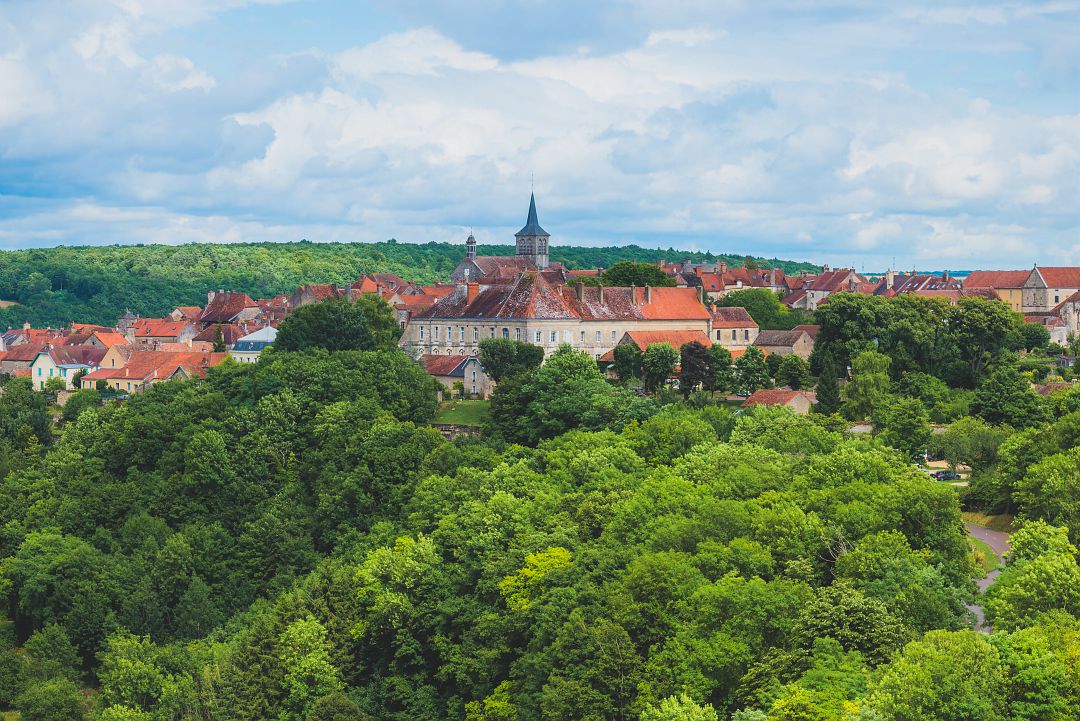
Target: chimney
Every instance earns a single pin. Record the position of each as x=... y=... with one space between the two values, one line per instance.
x=825 y=268
x=579 y=288
x=701 y=294
x=648 y=294
x=473 y=290
x=697 y=270
x=210 y=297
x=723 y=267
x=772 y=278
x=26 y=325
x=601 y=294
x=890 y=278
x=945 y=276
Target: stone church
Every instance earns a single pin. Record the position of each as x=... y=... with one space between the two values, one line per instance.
x=532 y=254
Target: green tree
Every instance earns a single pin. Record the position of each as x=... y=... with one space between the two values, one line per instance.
x=869 y=385
x=1005 y=397
x=695 y=368
x=904 y=425
x=1050 y=489
x=219 y=340
x=970 y=441
x=627 y=363
x=722 y=370
x=793 y=372
x=764 y=307
x=57 y=699
x=946 y=676
x=658 y=364
x=310 y=674
x=503 y=358
x=340 y=324
x=982 y=330
x=1033 y=335
x=336 y=707
x=78 y=402
x=679 y=708
x=626 y=273
x=750 y=372
x=33 y=289
x=828 y=390
x=55 y=384
x=49 y=653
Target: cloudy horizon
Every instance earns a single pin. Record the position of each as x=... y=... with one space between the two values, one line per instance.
x=904 y=134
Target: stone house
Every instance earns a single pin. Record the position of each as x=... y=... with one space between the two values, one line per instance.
x=785 y=342
x=1048 y=287
x=732 y=328
x=799 y=401
x=450 y=369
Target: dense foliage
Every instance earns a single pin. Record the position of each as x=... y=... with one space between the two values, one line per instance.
x=96 y=284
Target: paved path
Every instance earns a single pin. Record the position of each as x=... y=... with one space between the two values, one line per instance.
x=999 y=543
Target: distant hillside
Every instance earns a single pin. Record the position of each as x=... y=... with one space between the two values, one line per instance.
x=54 y=286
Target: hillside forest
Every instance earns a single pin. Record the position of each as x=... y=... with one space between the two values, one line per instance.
x=55 y=286
x=293 y=540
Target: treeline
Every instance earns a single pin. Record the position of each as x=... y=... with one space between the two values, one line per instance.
x=55 y=286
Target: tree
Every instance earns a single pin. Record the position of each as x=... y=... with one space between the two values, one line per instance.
x=658 y=364
x=794 y=372
x=503 y=358
x=627 y=364
x=1033 y=335
x=946 y=676
x=340 y=324
x=310 y=674
x=336 y=707
x=828 y=390
x=722 y=370
x=678 y=708
x=750 y=372
x=219 y=340
x=869 y=384
x=904 y=425
x=33 y=289
x=859 y=623
x=78 y=402
x=1005 y=397
x=626 y=273
x=764 y=307
x=970 y=441
x=1050 y=490
x=981 y=329
x=54 y=385
x=695 y=368
x=49 y=654
x=57 y=699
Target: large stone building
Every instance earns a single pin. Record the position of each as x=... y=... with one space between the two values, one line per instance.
x=532 y=254
x=1046 y=288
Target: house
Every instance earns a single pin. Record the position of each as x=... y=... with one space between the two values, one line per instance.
x=226 y=306
x=1007 y=284
x=230 y=333
x=308 y=294
x=467 y=370
x=642 y=339
x=799 y=401
x=27 y=335
x=815 y=289
x=105 y=339
x=532 y=309
x=17 y=359
x=125 y=322
x=272 y=310
x=63 y=362
x=785 y=342
x=248 y=348
x=143 y=368
x=732 y=327
x=893 y=284
x=186 y=312
x=717 y=280
x=378 y=283
x=1047 y=287
x=1054 y=324
x=149 y=332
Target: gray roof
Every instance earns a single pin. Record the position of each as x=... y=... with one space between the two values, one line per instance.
x=532 y=225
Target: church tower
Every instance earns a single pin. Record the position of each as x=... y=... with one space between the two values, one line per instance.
x=532 y=240
x=470 y=247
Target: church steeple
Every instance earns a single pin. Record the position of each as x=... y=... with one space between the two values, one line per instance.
x=470 y=247
x=532 y=240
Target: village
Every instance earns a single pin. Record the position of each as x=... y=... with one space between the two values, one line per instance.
x=525 y=297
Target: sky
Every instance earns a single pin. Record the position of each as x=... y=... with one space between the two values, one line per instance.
x=852 y=132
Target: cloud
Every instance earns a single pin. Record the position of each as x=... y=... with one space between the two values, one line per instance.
x=785 y=130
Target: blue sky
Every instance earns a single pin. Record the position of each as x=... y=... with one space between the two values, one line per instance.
x=938 y=134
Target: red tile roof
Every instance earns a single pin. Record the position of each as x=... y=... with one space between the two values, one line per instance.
x=996 y=279
x=75 y=355
x=191 y=312
x=810 y=329
x=443 y=365
x=225 y=306
x=775 y=397
x=230 y=333
x=675 y=338
x=1060 y=277
x=159 y=327
x=23 y=353
x=734 y=317
x=144 y=365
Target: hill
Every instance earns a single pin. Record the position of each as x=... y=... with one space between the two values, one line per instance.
x=54 y=286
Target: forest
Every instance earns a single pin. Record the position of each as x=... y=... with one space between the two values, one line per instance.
x=55 y=286
x=293 y=540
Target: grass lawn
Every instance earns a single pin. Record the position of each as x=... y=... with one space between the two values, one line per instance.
x=465 y=413
x=1001 y=523
x=984 y=555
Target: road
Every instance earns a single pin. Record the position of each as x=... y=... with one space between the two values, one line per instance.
x=999 y=543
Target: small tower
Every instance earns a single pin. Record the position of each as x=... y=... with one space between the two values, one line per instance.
x=470 y=247
x=532 y=240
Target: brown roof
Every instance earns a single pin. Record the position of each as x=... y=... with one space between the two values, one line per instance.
x=996 y=279
x=443 y=365
x=810 y=329
x=230 y=333
x=775 y=397
x=225 y=306
x=142 y=365
x=191 y=312
x=833 y=280
x=24 y=353
x=582 y=273
x=75 y=355
x=159 y=327
x=782 y=338
x=675 y=338
x=1060 y=277
x=110 y=338
x=734 y=317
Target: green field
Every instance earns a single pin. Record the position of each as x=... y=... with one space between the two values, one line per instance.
x=984 y=555
x=465 y=413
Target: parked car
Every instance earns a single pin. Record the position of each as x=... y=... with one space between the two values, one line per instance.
x=946 y=475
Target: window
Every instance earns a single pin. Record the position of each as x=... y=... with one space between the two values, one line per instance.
x=733 y=334
x=569 y=336
x=1057 y=299
x=612 y=336
x=596 y=356
x=461 y=334
x=435 y=333
x=597 y=336
x=449 y=334
x=434 y=351
x=475 y=335
x=517 y=333
x=39 y=372
x=402 y=324
x=554 y=336
x=461 y=352
x=746 y=335
x=536 y=337
x=717 y=335
x=506 y=333
x=582 y=336
x=474 y=376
